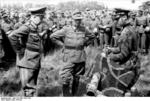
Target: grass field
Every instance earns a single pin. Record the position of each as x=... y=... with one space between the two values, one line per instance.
x=49 y=83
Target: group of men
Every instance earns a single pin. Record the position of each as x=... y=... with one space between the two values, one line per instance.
x=120 y=31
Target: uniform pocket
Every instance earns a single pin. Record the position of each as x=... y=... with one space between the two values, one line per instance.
x=34 y=38
x=34 y=41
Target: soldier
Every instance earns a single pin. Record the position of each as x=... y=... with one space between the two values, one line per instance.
x=118 y=25
x=61 y=20
x=27 y=41
x=93 y=27
x=6 y=24
x=132 y=16
x=106 y=28
x=27 y=16
x=49 y=19
x=116 y=30
x=141 y=22
x=21 y=21
x=75 y=38
x=118 y=71
x=87 y=18
x=68 y=19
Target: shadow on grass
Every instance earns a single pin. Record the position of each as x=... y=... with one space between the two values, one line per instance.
x=49 y=91
x=9 y=88
x=10 y=82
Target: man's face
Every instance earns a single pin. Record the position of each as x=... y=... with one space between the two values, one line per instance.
x=22 y=20
x=140 y=12
x=38 y=19
x=5 y=18
x=77 y=22
x=124 y=17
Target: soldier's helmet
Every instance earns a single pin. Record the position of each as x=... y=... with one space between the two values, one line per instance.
x=77 y=15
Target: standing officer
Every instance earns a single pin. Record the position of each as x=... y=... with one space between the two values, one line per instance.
x=27 y=41
x=106 y=25
x=141 y=22
x=93 y=27
x=75 y=38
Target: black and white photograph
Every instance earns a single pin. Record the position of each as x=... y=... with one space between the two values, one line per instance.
x=74 y=48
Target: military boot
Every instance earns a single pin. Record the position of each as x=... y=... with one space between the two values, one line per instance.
x=66 y=90
x=29 y=93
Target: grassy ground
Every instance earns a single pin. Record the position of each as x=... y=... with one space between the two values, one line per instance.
x=49 y=83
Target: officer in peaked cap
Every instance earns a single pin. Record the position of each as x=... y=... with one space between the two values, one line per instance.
x=29 y=52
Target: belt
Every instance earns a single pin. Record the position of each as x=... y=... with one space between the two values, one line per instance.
x=33 y=49
x=75 y=48
x=141 y=26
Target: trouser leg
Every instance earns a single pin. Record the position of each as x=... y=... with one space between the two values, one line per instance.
x=116 y=38
x=139 y=42
x=101 y=39
x=106 y=38
x=70 y=74
x=143 y=42
x=147 y=41
x=29 y=81
x=67 y=78
x=95 y=42
x=78 y=70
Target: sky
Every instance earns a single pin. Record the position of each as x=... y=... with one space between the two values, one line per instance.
x=109 y=3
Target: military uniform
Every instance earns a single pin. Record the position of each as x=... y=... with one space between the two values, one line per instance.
x=118 y=71
x=20 y=22
x=106 y=29
x=17 y=25
x=7 y=26
x=118 y=25
x=127 y=44
x=73 y=55
x=141 y=22
x=116 y=30
x=93 y=27
x=61 y=22
x=28 y=45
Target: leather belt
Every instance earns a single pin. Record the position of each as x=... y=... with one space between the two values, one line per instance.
x=33 y=49
x=75 y=48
